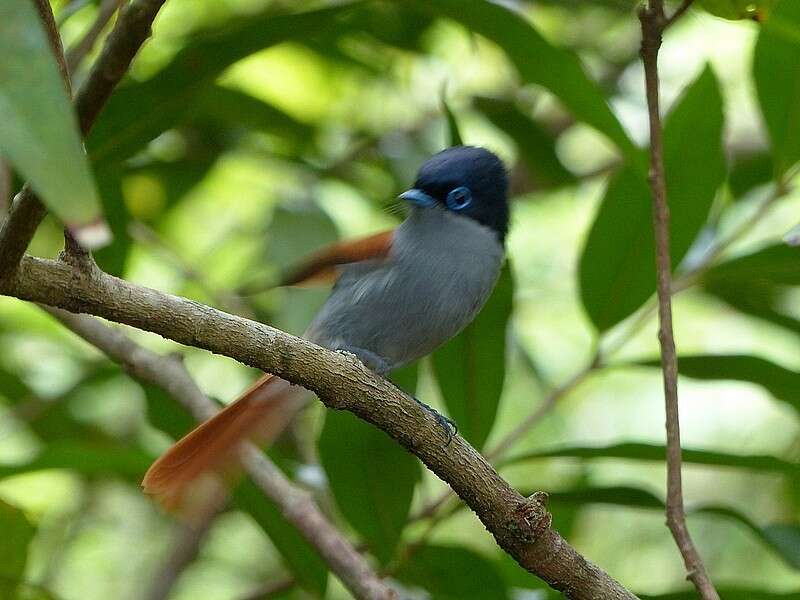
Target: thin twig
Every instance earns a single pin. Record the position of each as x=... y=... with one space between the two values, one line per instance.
x=296 y=505
x=653 y=23
x=685 y=4
x=82 y=47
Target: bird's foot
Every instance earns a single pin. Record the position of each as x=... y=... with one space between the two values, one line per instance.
x=448 y=425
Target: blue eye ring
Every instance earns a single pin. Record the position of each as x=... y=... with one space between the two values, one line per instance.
x=459 y=198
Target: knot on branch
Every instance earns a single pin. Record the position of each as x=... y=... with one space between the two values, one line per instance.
x=532 y=518
x=76 y=255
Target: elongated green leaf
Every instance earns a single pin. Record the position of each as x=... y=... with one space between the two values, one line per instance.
x=470 y=368
x=535 y=145
x=749 y=172
x=306 y=565
x=656 y=452
x=617 y=268
x=556 y=69
x=783 y=539
x=139 y=112
x=450 y=573
x=371 y=477
x=776 y=68
x=38 y=129
x=779 y=381
x=778 y=265
x=17 y=535
x=729 y=593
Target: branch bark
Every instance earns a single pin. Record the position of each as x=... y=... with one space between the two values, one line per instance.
x=654 y=22
x=130 y=32
x=521 y=526
x=295 y=504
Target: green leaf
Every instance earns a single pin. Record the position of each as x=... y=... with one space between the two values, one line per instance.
x=371 y=477
x=779 y=381
x=306 y=565
x=555 y=69
x=230 y=107
x=777 y=265
x=617 y=267
x=452 y=573
x=728 y=593
x=535 y=145
x=749 y=172
x=784 y=539
x=470 y=368
x=776 y=69
x=17 y=535
x=38 y=129
x=656 y=452
x=138 y=112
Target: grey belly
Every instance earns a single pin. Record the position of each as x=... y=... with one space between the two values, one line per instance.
x=396 y=315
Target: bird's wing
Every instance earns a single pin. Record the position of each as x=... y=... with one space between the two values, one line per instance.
x=321 y=267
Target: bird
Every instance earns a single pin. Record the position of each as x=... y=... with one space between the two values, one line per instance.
x=397 y=296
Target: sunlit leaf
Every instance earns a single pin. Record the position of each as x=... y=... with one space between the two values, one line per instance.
x=617 y=268
x=554 y=68
x=470 y=368
x=776 y=69
x=655 y=452
x=38 y=129
x=372 y=479
x=450 y=573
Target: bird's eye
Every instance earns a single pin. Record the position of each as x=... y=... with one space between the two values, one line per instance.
x=459 y=198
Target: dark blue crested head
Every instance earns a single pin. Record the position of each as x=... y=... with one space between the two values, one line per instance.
x=466 y=180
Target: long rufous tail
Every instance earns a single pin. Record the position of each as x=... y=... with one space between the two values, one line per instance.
x=260 y=414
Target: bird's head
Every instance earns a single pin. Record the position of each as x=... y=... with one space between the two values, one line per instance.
x=468 y=181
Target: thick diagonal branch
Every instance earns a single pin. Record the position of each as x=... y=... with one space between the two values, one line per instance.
x=296 y=505
x=521 y=526
x=131 y=31
x=653 y=23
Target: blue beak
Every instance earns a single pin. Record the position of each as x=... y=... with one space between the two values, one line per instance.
x=418 y=198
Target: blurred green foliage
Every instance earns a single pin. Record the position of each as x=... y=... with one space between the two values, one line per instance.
x=250 y=132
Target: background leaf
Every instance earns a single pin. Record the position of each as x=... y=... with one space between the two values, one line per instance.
x=776 y=63
x=617 y=268
x=470 y=368
x=556 y=69
x=17 y=535
x=371 y=477
x=450 y=572
x=656 y=452
x=38 y=129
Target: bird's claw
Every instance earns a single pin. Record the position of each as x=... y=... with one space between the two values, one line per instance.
x=448 y=425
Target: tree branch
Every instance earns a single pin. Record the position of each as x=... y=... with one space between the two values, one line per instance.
x=294 y=503
x=521 y=526
x=653 y=23
x=130 y=32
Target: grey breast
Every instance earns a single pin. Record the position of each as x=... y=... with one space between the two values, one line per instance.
x=439 y=273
